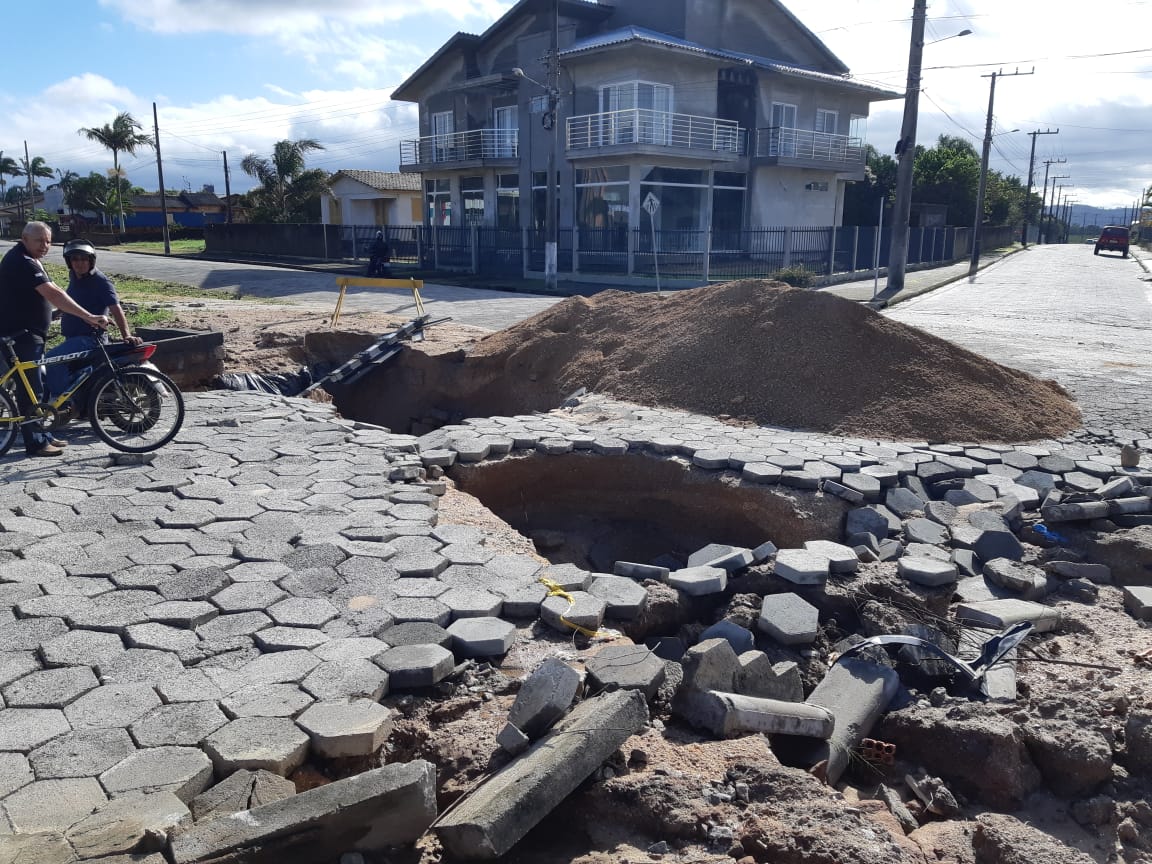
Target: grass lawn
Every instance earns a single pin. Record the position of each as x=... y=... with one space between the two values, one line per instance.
x=156 y=247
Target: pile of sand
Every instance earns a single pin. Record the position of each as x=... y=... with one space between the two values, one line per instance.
x=771 y=354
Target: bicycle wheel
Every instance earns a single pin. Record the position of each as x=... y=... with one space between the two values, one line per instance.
x=136 y=410
x=8 y=429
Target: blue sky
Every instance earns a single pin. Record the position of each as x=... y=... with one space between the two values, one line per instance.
x=238 y=75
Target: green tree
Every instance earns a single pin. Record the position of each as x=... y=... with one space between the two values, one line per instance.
x=948 y=174
x=288 y=191
x=862 y=198
x=9 y=167
x=95 y=193
x=32 y=168
x=64 y=182
x=124 y=135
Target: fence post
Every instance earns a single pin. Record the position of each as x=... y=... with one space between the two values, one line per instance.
x=354 y=255
x=472 y=238
x=632 y=250
x=575 y=249
x=920 y=252
x=420 y=246
x=832 y=252
x=787 y=249
x=855 y=249
x=435 y=246
x=524 y=251
x=707 y=254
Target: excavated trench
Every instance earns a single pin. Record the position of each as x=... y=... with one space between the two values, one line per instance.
x=584 y=508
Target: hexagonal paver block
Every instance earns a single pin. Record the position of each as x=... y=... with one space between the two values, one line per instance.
x=578 y=611
x=626 y=667
x=85 y=753
x=51 y=688
x=198 y=584
x=481 y=637
x=411 y=666
x=789 y=619
x=126 y=824
x=303 y=612
x=415 y=633
x=351 y=648
x=699 y=581
x=342 y=729
x=472 y=603
x=275 y=744
x=623 y=597
x=801 y=567
x=183 y=771
x=424 y=609
x=52 y=805
x=289 y=638
x=81 y=648
x=184 y=724
x=140 y=664
x=841 y=558
x=16 y=664
x=238 y=624
x=424 y=564
x=188 y=614
x=269 y=700
x=350 y=679
x=161 y=637
x=112 y=705
x=417 y=587
x=929 y=572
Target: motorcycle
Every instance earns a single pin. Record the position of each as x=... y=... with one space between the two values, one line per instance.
x=121 y=354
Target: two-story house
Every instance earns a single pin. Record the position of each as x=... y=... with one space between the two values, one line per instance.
x=731 y=112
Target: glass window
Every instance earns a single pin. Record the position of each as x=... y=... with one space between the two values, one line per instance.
x=438 y=194
x=606 y=174
x=472 y=192
x=730 y=180
x=783 y=132
x=684 y=176
x=826 y=121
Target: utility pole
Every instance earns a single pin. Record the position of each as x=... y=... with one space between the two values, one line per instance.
x=974 y=263
x=227 y=189
x=1052 y=205
x=1028 y=197
x=551 y=228
x=1057 y=210
x=160 y=172
x=1044 y=199
x=906 y=153
x=31 y=200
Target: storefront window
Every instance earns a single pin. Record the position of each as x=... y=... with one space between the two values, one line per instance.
x=438 y=194
x=508 y=201
x=472 y=192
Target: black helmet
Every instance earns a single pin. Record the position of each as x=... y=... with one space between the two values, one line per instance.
x=80 y=247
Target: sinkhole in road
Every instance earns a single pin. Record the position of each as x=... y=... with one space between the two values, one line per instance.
x=582 y=507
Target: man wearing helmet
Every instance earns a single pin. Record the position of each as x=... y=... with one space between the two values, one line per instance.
x=97 y=295
x=27 y=296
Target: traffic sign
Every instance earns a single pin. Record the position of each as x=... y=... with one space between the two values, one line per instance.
x=651 y=204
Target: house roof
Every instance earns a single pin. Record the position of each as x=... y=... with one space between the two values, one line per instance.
x=173 y=202
x=384 y=181
x=203 y=199
x=632 y=35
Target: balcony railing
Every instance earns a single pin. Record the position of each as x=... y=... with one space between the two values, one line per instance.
x=655 y=128
x=472 y=146
x=805 y=145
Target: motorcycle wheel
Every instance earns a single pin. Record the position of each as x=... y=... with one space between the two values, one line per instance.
x=137 y=410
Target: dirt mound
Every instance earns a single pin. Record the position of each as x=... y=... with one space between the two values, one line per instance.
x=771 y=354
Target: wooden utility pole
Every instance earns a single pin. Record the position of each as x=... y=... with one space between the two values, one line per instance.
x=160 y=172
x=1044 y=199
x=974 y=262
x=551 y=220
x=906 y=153
x=227 y=190
x=1028 y=197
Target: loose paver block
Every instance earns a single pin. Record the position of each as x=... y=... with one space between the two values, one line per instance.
x=544 y=697
x=384 y=807
x=1001 y=614
x=801 y=567
x=623 y=597
x=626 y=667
x=1138 y=601
x=352 y=679
x=740 y=638
x=52 y=805
x=930 y=572
x=81 y=648
x=472 y=603
x=127 y=824
x=183 y=724
x=789 y=619
x=699 y=581
x=1024 y=580
x=729 y=558
x=578 y=610
x=24 y=729
x=413 y=666
x=481 y=637
x=342 y=729
x=289 y=638
x=183 y=771
x=490 y=821
x=841 y=558
x=51 y=688
x=240 y=790
x=759 y=676
x=85 y=753
x=275 y=744
x=267 y=700
x=415 y=633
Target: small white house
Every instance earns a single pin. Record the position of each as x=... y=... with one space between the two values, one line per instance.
x=372 y=198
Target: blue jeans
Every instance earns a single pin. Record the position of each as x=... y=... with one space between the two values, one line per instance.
x=57 y=376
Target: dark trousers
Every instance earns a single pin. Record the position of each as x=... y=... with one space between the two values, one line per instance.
x=30 y=346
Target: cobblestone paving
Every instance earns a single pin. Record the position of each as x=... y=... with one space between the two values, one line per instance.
x=1058 y=312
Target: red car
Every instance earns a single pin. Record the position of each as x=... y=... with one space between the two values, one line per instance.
x=1114 y=238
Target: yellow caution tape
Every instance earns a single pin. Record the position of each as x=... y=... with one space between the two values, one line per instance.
x=555 y=590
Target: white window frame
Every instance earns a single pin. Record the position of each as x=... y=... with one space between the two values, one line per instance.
x=505 y=120
x=783 y=116
x=822 y=115
x=620 y=127
x=443 y=128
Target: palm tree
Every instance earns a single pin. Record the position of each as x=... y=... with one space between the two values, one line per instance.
x=33 y=168
x=8 y=167
x=66 y=183
x=286 y=187
x=123 y=136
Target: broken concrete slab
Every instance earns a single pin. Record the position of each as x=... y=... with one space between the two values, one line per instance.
x=728 y=715
x=759 y=676
x=711 y=665
x=370 y=811
x=1030 y=583
x=183 y=771
x=544 y=697
x=491 y=820
x=1002 y=614
x=135 y=823
x=241 y=790
x=626 y=667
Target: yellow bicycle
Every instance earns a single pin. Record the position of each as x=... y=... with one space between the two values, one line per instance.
x=131 y=407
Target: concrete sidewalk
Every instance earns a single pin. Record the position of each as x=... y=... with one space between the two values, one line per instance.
x=916 y=282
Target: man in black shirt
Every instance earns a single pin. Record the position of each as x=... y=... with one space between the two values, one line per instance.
x=27 y=296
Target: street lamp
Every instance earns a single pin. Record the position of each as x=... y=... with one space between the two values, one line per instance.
x=906 y=149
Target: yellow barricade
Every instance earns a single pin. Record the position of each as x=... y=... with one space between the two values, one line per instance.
x=346 y=282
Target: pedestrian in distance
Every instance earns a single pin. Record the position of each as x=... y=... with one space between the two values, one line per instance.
x=380 y=254
x=27 y=296
x=96 y=294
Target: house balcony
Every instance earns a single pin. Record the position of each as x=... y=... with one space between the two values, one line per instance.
x=645 y=131
x=475 y=148
x=804 y=148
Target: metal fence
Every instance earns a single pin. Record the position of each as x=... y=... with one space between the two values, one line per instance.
x=603 y=252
